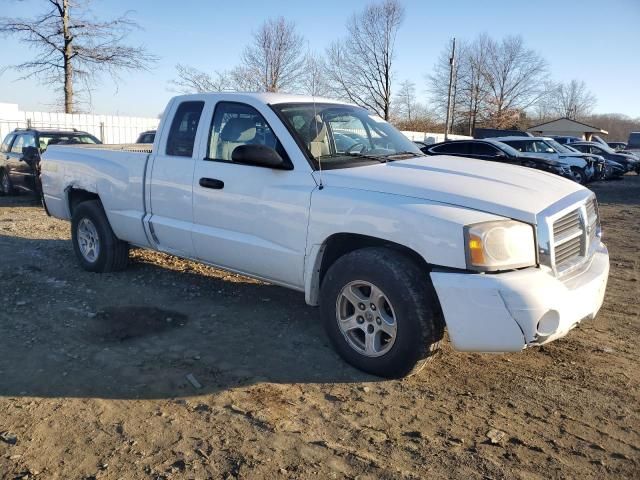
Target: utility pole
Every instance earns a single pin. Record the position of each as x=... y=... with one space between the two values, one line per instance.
x=452 y=62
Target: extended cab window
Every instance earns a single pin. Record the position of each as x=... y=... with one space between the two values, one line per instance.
x=6 y=143
x=236 y=124
x=184 y=126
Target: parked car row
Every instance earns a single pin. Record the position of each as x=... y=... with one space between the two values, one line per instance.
x=492 y=150
x=567 y=156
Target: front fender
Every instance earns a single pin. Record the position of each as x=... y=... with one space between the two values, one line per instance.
x=431 y=229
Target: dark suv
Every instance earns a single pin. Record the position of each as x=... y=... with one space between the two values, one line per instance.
x=20 y=155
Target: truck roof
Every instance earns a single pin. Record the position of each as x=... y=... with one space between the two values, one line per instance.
x=268 y=98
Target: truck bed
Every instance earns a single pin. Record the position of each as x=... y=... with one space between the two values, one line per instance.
x=115 y=173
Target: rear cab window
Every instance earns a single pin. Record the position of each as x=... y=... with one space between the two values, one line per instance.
x=184 y=127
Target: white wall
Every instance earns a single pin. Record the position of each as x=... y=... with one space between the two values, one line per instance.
x=108 y=128
x=430 y=138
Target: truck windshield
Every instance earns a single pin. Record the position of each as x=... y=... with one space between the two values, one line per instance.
x=339 y=136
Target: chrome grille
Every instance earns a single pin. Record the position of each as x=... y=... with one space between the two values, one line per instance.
x=568 y=238
x=573 y=235
x=593 y=222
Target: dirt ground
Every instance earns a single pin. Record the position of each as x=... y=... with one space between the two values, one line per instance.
x=94 y=377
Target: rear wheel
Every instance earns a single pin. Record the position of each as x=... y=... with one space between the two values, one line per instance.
x=94 y=243
x=381 y=312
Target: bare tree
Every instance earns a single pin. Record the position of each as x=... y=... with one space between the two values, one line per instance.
x=405 y=101
x=572 y=100
x=471 y=85
x=514 y=75
x=314 y=80
x=73 y=48
x=360 y=66
x=192 y=80
x=438 y=85
x=274 y=60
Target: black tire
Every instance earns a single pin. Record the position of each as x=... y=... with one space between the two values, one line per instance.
x=6 y=188
x=113 y=254
x=579 y=175
x=407 y=287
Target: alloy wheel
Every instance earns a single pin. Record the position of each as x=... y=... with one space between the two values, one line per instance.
x=366 y=318
x=88 y=240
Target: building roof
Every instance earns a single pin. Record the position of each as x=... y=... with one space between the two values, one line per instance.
x=564 y=121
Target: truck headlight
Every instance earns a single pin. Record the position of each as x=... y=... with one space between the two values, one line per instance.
x=499 y=245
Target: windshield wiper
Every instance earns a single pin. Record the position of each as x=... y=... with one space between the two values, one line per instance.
x=402 y=154
x=378 y=158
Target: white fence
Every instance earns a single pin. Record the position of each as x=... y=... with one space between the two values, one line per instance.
x=119 y=129
x=430 y=138
x=108 y=128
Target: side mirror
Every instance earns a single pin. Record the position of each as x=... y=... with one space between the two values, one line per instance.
x=259 y=156
x=30 y=153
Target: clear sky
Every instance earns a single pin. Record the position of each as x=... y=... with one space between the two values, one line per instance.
x=594 y=41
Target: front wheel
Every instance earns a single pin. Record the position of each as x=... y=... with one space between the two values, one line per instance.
x=381 y=312
x=94 y=243
x=579 y=175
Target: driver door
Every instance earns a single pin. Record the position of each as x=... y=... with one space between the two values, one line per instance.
x=247 y=218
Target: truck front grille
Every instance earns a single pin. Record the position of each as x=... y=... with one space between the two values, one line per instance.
x=572 y=236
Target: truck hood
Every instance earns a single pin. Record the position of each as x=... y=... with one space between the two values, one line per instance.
x=506 y=190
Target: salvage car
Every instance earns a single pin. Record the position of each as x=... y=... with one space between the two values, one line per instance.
x=584 y=168
x=628 y=160
x=608 y=168
x=494 y=151
x=392 y=245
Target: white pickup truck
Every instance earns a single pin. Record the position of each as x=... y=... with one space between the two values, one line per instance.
x=325 y=198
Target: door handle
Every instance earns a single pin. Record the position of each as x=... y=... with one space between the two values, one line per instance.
x=212 y=183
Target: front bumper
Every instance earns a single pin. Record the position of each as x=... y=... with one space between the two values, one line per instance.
x=507 y=312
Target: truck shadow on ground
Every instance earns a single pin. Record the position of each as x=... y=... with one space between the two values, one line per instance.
x=153 y=331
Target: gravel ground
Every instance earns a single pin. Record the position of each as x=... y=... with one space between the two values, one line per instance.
x=175 y=370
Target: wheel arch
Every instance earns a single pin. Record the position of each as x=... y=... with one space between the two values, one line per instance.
x=340 y=244
x=75 y=196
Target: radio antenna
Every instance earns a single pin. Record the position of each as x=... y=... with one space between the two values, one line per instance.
x=315 y=121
